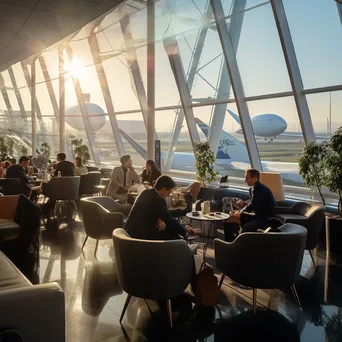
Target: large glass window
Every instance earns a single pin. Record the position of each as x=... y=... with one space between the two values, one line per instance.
x=316 y=31
x=278 y=136
x=326 y=113
x=259 y=51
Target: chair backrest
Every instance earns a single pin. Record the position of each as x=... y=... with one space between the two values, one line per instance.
x=8 y=206
x=88 y=181
x=106 y=202
x=92 y=213
x=263 y=260
x=62 y=188
x=12 y=186
x=156 y=270
x=314 y=213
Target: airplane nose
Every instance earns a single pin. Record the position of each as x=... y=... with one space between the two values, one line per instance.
x=284 y=125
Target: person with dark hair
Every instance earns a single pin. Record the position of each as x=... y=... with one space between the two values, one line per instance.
x=19 y=171
x=66 y=167
x=80 y=169
x=149 y=218
x=256 y=213
x=151 y=173
x=121 y=179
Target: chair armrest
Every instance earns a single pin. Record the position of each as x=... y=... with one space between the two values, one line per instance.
x=37 y=312
x=113 y=219
x=278 y=210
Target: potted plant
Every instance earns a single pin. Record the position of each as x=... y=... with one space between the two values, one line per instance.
x=45 y=149
x=79 y=149
x=312 y=165
x=333 y=182
x=6 y=148
x=205 y=163
x=23 y=150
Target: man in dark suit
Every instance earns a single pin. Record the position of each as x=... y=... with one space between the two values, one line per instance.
x=19 y=171
x=67 y=168
x=256 y=213
x=149 y=218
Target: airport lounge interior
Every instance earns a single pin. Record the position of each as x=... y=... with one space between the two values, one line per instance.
x=170 y=170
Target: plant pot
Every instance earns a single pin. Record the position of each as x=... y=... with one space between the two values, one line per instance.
x=333 y=226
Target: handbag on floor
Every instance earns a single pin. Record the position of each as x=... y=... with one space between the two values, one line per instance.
x=205 y=285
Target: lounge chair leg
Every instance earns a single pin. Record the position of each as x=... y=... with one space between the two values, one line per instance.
x=97 y=243
x=313 y=260
x=254 y=300
x=221 y=280
x=128 y=298
x=295 y=294
x=169 y=311
x=84 y=242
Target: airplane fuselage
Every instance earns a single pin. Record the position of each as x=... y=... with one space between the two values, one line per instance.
x=267 y=125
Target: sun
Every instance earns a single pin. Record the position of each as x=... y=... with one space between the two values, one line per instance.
x=74 y=67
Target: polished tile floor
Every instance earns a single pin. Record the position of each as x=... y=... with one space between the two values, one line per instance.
x=94 y=300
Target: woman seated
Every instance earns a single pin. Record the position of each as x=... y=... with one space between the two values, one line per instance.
x=151 y=173
x=80 y=169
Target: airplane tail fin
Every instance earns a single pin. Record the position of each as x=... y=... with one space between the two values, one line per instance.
x=229 y=149
x=134 y=144
x=234 y=116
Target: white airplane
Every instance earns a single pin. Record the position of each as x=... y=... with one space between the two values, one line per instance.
x=231 y=155
x=264 y=125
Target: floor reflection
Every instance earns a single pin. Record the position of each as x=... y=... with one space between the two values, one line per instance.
x=94 y=300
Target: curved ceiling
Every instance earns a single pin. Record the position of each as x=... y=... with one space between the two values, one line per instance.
x=29 y=26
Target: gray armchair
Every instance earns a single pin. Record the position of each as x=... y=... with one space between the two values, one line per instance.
x=308 y=215
x=263 y=260
x=99 y=222
x=157 y=270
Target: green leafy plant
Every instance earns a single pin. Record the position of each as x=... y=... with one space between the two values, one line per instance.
x=312 y=165
x=23 y=150
x=205 y=162
x=45 y=149
x=6 y=147
x=334 y=167
x=80 y=149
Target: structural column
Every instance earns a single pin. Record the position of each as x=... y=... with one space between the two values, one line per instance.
x=33 y=107
x=172 y=50
x=293 y=70
x=94 y=47
x=150 y=78
x=28 y=82
x=190 y=81
x=234 y=31
x=17 y=94
x=236 y=81
x=61 y=100
x=84 y=112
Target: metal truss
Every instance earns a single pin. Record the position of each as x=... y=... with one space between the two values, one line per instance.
x=236 y=81
x=293 y=70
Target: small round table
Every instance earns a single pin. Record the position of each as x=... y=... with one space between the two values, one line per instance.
x=208 y=221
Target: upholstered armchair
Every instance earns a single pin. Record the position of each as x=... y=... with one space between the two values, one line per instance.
x=157 y=270
x=309 y=215
x=263 y=260
x=98 y=219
